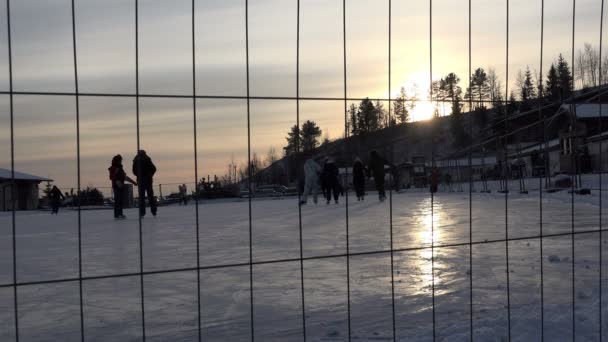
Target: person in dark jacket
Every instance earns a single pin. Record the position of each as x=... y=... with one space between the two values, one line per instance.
x=434 y=180
x=359 y=178
x=55 y=196
x=330 y=179
x=144 y=169
x=376 y=170
x=118 y=177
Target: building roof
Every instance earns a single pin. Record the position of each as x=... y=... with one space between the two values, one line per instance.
x=5 y=174
x=589 y=110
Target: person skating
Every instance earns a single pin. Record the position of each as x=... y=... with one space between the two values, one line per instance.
x=359 y=178
x=118 y=177
x=330 y=179
x=183 y=191
x=312 y=170
x=144 y=169
x=55 y=196
x=434 y=180
x=376 y=170
x=323 y=180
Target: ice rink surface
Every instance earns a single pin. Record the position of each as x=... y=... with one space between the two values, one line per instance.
x=47 y=249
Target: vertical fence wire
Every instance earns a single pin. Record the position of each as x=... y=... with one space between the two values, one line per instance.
x=601 y=170
x=574 y=154
x=470 y=157
x=249 y=171
x=506 y=178
x=432 y=168
x=346 y=192
x=79 y=213
x=13 y=192
x=141 y=202
x=540 y=177
x=196 y=190
x=390 y=191
x=297 y=149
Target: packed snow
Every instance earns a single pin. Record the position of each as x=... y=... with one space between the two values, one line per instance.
x=47 y=249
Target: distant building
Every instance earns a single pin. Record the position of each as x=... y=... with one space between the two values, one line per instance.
x=26 y=190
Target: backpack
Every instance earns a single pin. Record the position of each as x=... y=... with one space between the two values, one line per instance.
x=112 y=171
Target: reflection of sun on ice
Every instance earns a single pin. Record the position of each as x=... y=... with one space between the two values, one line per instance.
x=426 y=222
x=429 y=223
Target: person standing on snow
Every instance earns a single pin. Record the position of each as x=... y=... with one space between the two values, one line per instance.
x=312 y=170
x=376 y=170
x=359 y=178
x=56 y=196
x=144 y=169
x=184 y=192
x=330 y=179
x=118 y=177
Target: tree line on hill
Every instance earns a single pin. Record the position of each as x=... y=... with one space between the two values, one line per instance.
x=484 y=98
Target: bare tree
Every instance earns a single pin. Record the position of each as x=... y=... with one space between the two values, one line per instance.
x=520 y=82
x=604 y=75
x=271 y=156
x=581 y=67
x=593 y=61
x=587 y=64
x=494 y=85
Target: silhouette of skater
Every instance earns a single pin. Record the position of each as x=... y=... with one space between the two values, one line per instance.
x=330 y=180
x=144 y=169
x=183 y=191
x=376 y=169
x=312 y=170
x=56 y=196
x=434 y=180
x=448 y=181
x=359 y=178
x=118 y=177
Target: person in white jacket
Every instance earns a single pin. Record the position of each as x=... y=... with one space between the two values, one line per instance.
x=312 y=170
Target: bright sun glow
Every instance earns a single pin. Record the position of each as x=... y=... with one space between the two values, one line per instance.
x=417 y=86
x=422 y=111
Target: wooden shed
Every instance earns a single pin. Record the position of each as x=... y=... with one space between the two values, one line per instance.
x=26 y=190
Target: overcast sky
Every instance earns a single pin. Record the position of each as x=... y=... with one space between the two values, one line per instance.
x=45 y=128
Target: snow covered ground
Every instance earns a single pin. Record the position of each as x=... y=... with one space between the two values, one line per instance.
x=47 y=248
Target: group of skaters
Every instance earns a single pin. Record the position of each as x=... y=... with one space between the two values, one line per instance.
x=327 y=178
x=144 y=169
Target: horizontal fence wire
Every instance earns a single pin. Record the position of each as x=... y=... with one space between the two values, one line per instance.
x=312 y=258
x=542 y=121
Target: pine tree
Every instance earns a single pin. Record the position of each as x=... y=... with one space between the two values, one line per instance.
x=451 y=91
x=480 y=89
x=400 y=110
x=512 y=105
x=552 y=84
x=529 y=83
x=381 y=115
x=293 y=145
x=353 y=121
x=526 y=89
x=309 y=136
x=367 y=117
x=565 y=77
x=457 y=125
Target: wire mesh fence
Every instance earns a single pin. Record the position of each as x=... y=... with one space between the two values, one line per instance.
x=515 y=193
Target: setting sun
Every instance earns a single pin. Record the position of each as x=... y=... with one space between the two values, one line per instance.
x=417 y=86
x=422 y=111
